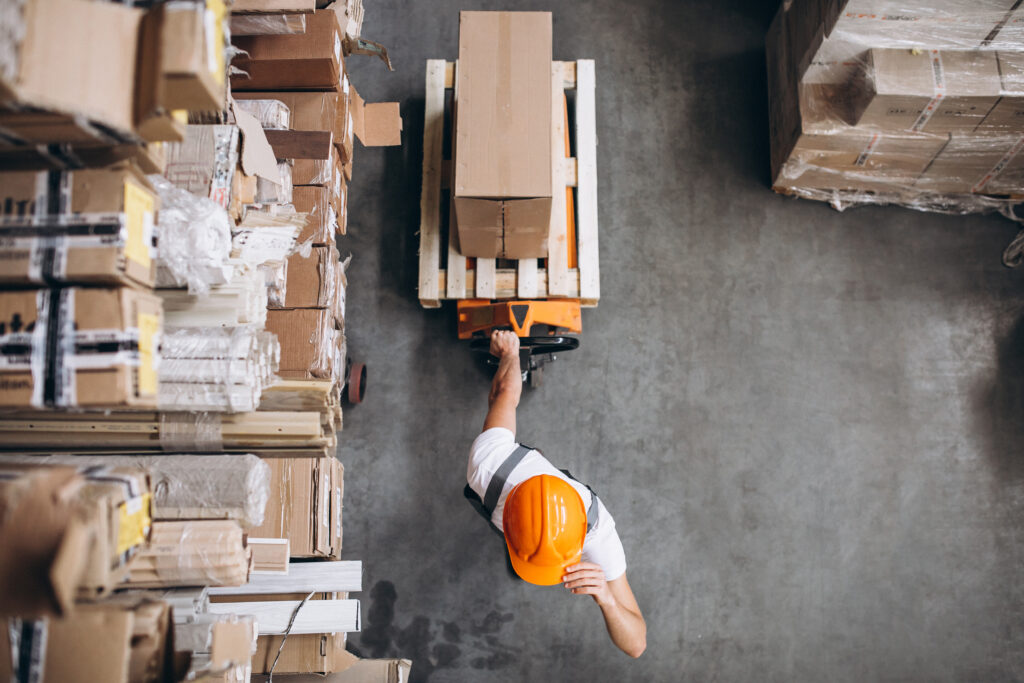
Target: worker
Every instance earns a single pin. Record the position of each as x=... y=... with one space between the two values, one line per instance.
x=556 y=529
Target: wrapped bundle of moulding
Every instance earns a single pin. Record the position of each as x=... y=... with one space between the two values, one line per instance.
x=222 y=646
x=191 y=553
x=243 y=300
x=232 y=487
x=217 y=369
x=194 y=239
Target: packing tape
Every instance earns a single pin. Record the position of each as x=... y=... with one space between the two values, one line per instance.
x=190 y=432
x=28 y=649
x=998 y=168
x=939 y=78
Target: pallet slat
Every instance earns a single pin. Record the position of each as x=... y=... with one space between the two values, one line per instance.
x=430 y=200
x=526 y=278
x=586 y=183
x=558 y=248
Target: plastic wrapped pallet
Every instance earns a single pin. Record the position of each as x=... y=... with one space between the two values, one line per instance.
x=234 y=487
x=912 y=103
x=67 y=532
x=191 y=553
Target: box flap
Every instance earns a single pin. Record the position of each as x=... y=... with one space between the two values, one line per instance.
x=257 y=157
x=376 y=124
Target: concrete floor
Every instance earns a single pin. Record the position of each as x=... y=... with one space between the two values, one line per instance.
x=807 y=424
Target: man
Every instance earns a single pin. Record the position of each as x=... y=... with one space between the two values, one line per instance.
x=556 y=529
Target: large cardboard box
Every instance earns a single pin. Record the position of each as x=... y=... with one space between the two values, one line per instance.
x=351 y=669
x=908 y=24
x=67 y=533
x=124 y=640
x=305 y=505
x=312 y=653
x=317 y=111
x=87 y=226
x=204 y=163
x=931 y=91
x=503 y=134
x=192 y=62
x=106 y=353
x=973 y=163
x=1007 y=116
x=307 y=61
x=322 y=223
x=858 y=160
x=74 y=57
x=312 y=280
x=310 y=343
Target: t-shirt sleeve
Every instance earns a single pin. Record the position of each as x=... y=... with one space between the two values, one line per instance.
x=486 y=454
x=603 y=547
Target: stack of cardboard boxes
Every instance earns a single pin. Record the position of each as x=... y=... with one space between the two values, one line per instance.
x=916 y=103
x=94 y=96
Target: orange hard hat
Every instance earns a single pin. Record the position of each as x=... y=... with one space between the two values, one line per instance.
x=545 y=523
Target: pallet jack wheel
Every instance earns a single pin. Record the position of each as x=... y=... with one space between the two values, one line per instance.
x=355 y=387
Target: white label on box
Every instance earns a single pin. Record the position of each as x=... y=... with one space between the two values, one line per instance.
x=337 y=48
x=344 y=83
x=210 y=32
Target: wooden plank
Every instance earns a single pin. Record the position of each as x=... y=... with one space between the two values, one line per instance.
x=300 y=144
x=269 y=555
x=569 y=171
x=485 y=281
x=568 y=74
x=456 y=261
x=586 y=157
x=506 y=287
x=526 y=285
x=430 y=192
x=316 y=616
x=303 y=577
x=558 y=255
x=449 y=74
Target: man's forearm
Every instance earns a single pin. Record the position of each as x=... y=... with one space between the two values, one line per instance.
x=508 y=381
x=627 y=630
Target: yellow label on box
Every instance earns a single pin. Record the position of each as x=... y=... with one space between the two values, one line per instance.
x=138 y=209
x=135 y=520
x=214 y=29
x=149 y=327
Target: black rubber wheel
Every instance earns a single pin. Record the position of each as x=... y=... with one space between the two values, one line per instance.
x=536 y=345
x=355 y=387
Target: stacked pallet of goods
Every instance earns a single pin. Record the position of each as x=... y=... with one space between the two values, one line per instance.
x=167 y=433
x=914 y=103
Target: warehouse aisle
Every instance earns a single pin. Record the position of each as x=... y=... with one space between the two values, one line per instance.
x=807 y=424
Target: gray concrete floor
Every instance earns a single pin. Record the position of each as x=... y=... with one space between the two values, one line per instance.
x=807 y=424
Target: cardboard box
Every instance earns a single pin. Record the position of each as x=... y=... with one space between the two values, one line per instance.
x=87 y=226
x=858 y=160
x=930 y=91
x=503 y=134
x=308 y=61
x=1007 y=116
x=322 y=222
x=313 y=653
x=67 y=533
x=312 y=280
x=74 y=57
x=351 y=669
x=205 y=162
x=271 y=112
x=124 y=640
x=106 y=355
x=310 y=343
x=305 y=505
x=975 y=164
x=317 y=111
x=192 y=61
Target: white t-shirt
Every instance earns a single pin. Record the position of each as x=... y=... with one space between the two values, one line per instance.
x=601 y=545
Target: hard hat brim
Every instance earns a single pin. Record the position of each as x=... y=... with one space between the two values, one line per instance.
x=539 y=575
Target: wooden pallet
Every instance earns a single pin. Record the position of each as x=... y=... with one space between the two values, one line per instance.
x=528 y=279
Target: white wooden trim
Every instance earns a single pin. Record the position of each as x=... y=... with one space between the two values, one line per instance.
x=303 y=577
x=558 y=254
x=485 y=278
x=586 y=183
x=430 y=197
x=526 y=278
x=316 y=616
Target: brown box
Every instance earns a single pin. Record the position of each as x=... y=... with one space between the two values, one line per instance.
x=192 y=55
x=204 y=163
x=973 y=164
x=304 y=505
x=317 y=111
x=307 y=61
x=74 y=56
x=310 y=343
x=858 y=160
x=312 y=279
x=123 y=640
x=1007 y=116
x=931 y=91
x=315 y=201
x=503 y=134
x=314 y=653
x=106 y=354
x=108 y=240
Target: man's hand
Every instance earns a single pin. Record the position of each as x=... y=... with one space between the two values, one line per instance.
x=504 y=343
x=587 y=578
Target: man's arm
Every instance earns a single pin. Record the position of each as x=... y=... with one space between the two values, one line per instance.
x=622 y=616
x=508 y=382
